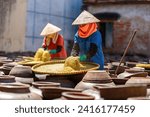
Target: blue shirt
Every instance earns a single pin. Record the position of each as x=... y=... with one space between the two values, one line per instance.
x=84 y=45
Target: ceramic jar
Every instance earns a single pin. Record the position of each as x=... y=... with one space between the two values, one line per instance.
x=36 y=86
x=76 y=96
x=121 y=69
x=7 y=79
x=22 y=74
x=132 y=73
x=17 y=92
x=45 y=84
x=140 y=81
x=63 y=80
x=94 y=77
x=121 y=92
x=6 y=68
x=4 y=60
x=131 y=64
x=50 y=93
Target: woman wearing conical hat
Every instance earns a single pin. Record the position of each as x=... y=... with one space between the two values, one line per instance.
x=88 y=40
x=53 y=41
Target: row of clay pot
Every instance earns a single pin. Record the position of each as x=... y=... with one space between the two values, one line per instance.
x=53 y=91
x=111 y=90
x=39 y=90
x=12 y=89
x=87 y=86
x=6 y=65
x=111 y=67
x=46 y=89
x=102 y=83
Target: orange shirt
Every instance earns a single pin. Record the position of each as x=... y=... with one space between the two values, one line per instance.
x=51 y=46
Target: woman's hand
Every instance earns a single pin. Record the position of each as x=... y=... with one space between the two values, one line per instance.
x=52 y=51
x=83 y=57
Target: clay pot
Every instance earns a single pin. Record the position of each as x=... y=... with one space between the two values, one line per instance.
x=45 y=84
x=76 y=96
x=121 y=92
x=22 y=74
x=118 y=81
x=6 y=68
x=137 y=69
x=7 y=79
x=121 y=69
x=17 y=92
x=85 y=85
x=36 y=85
x=64 y=81
x=131 y=64
x=4 y=60
x=92 y=78
x=140 y=80
x=55 y=92
x=21 y=71
x=95 y=75
x=132 y=73
x=10 y=65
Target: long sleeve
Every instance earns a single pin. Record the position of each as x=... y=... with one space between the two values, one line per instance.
x=58 y=49
x=92 y=51
x=75 y=50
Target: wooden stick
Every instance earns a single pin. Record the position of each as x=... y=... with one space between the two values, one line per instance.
x=132 y=37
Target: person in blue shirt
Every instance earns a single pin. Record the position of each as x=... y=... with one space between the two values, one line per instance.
x=88 y=40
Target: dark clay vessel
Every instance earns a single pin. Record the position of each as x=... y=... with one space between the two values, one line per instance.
x=76 y=96
x=22 y=74
x=94 y=77
x=7 y=79
x=14 y=91
x=55 y=92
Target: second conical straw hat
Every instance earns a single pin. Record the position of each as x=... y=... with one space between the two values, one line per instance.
x=50 y=29
x=85 y=18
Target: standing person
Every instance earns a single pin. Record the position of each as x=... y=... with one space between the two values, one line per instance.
x=53 y=42
x=88 y=40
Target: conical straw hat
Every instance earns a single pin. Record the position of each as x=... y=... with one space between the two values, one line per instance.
x=49 y=29
x=85 y=18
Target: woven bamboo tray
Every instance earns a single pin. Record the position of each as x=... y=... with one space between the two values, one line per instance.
x=29 y=62
x=28 y=58
x=146 y=66
x=32 y=63
x=56 y=67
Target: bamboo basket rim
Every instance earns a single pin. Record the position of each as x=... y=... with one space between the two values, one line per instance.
x=64 y=73
x=29 y=62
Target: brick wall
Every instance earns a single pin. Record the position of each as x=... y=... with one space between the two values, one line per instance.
x=133 y=16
